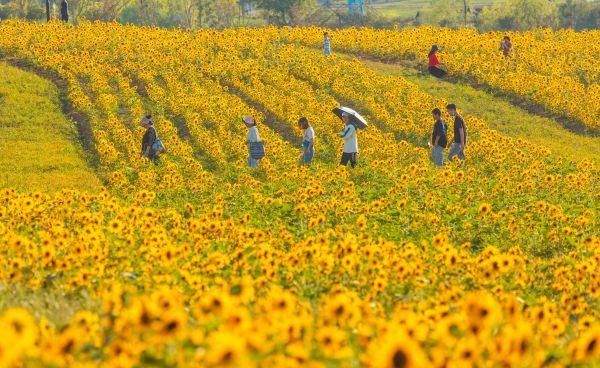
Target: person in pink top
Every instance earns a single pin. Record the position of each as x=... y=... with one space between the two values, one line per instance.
x=434 y=63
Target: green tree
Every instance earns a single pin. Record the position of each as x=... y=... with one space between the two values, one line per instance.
x=444 y=13
x=519 y=15
x=284 y=12
x=579 y=14
x=206 y=13
x=530 y=14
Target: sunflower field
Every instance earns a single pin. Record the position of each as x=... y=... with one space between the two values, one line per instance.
x=200 y=261
x=556 y=70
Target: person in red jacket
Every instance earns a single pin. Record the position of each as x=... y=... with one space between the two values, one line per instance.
x=434 y=63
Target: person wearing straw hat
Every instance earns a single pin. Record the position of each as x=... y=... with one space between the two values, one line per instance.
x=253 y=137
x=350 y=141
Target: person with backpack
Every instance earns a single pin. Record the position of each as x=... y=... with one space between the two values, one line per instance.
x=350 y=138
x=255 y=145
x=460 y=134
x=152 y=146
x=308 y=141
x=434 y=63
x=438 y=138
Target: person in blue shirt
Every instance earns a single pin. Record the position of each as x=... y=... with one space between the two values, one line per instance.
x=326 y=44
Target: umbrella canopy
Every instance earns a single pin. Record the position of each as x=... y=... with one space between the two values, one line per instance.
x=355 y=117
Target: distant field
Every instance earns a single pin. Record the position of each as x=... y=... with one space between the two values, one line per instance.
x=409 y=8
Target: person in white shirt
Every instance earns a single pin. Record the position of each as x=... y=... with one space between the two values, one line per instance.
x=252 y=137
x=350 y=142
x=308 y=141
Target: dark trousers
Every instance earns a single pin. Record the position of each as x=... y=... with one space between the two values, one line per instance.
x=152 y=156
x=348 y=157
x=437 y=72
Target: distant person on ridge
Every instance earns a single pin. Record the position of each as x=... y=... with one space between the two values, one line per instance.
x=326 y=44
x=308 y=141
x=460 y=134
x=350 y=141
x=64 y=11
x=434 y=63
x=438 y=138
x=506 y=46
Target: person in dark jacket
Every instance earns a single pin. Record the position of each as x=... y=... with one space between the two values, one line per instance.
x=439 y=139
x=460 y=134
x=149 y=138
x=64 y=11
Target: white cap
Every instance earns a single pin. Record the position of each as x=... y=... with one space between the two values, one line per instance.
x=345 y=114
x=248 y=120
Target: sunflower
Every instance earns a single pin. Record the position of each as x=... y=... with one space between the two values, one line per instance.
x=484 y=209
x=482 y=311
x=397 y=350
x=18 y=323
x=226 y=350
x=587 y=346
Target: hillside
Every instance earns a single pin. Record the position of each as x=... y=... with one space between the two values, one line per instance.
x=41 y=150
x=203 y=260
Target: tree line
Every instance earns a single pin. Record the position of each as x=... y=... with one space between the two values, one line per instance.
x=186 y=14
x=197 y=14
x=515 y=14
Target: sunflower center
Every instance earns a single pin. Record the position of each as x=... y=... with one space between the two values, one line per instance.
x=591 y=346
x=400 y=359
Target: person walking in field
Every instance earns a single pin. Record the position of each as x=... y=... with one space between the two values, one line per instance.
x=434 y=63
x=438 y=138
x=460 y=134
x=326 y=44
x=308 y=141
x=64 y=11
x=350 y=137
x=150 y=149
x=506 y=46
x=252 y=141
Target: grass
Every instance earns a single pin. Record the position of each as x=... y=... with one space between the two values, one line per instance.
x=409 y=8
x=501 y=115
x=41 y=150
x=49 y=301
